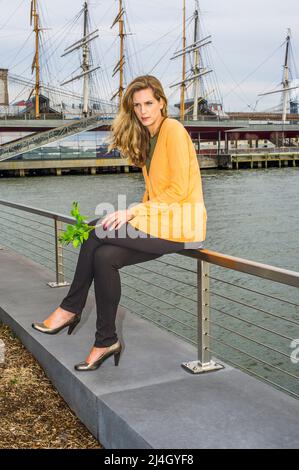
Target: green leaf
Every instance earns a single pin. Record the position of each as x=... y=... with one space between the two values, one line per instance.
x=76 y=243
x=78 y=232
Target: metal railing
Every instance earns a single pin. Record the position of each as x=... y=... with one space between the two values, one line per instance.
x=265 y=150
x=178 y=293
x=213 y=153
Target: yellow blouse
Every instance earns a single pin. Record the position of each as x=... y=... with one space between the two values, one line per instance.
x=172 y=206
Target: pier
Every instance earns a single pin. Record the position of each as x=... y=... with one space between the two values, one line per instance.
x=265 y=159
x=31 y=156
x=237 y=161
x=60 y=167
x=167 y=392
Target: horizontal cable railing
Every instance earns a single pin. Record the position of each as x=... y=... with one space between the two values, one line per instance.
x=265 y=150
x=251 y=328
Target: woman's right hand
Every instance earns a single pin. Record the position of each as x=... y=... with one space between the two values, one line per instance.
x=117 y=219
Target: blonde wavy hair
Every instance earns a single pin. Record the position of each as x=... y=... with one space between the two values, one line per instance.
x=128 y=134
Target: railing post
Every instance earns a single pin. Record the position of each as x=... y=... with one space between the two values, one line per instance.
x=204 y=362
x=60 y=282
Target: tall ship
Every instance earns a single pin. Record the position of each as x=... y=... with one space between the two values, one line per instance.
x=58 y=121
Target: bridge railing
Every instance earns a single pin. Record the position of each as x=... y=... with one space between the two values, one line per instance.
x=36 y=140
x=232 y=309
x=265 y=150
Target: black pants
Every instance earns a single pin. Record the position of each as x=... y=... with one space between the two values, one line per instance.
x=100 y=258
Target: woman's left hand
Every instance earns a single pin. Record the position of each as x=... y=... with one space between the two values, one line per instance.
x=116 y=219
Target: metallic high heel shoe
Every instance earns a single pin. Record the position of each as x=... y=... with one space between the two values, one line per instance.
x=72 y=323
x=114 y=349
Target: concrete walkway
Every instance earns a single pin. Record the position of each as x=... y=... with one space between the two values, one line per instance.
x=149 y=400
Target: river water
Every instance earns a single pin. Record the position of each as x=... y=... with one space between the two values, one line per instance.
x=252 y=214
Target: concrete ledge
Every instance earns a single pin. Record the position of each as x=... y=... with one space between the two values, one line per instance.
x=148 y=401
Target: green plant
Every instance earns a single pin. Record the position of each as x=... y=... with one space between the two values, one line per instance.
x=78 y=232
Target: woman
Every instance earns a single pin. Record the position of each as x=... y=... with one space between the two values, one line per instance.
x=170 y=218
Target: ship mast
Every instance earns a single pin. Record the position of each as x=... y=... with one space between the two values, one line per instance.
x=285 y=82
x=84 y=43
x=120 y=64
x=182 y=102
x=35 y=65
x=85 y=63
x=195 y=70
x=196 y=58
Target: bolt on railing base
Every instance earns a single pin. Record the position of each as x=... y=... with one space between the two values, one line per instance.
x=58 y=284
x=196 y=367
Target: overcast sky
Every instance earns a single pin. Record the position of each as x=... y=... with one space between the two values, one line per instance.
x=246 y=53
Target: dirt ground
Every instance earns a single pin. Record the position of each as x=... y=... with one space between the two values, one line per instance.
x=32 y=413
